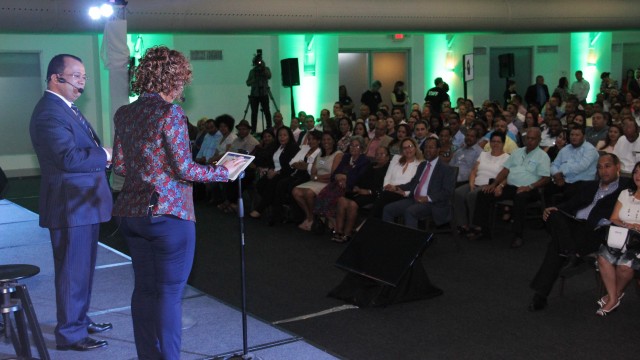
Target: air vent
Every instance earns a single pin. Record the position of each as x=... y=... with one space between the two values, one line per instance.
x=479 y=51
x=206 y=55
x=552 y=49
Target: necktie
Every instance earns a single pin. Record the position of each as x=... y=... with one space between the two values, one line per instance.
x=83 y=122
x=423 y=180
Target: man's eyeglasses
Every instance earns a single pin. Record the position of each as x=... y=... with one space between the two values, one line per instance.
x=76 y=76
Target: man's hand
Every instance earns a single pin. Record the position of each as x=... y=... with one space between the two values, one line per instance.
x=422 y=199
x=547 y=212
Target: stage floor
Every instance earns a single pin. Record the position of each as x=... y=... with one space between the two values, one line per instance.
x=212 y=327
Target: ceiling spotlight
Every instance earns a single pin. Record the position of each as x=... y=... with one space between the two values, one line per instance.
x=94 y=13
x=106 y=10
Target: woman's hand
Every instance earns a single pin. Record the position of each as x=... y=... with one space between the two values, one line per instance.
x=271 y=173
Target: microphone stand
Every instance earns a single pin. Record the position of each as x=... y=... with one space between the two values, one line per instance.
x=245 y=354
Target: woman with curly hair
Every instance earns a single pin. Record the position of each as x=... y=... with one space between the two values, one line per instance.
x=155 y=206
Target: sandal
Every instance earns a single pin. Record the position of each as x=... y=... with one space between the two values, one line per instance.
x=342 y=239
x=336 y=237
x=305 y=225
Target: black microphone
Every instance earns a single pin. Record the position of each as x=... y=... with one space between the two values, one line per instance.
x=64 y=81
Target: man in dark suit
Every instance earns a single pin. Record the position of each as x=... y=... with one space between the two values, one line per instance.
x=537 y=93
x=74 y=197
x=428 y=193
x=572 y=225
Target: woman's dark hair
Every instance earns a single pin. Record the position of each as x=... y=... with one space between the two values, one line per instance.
x=162 y=70
x=335 y=143
x=500 y=134
x=364 y=127
x=607 y=140
x=225 y=119
x=633 y=187
x=292 y=140
x=316 y=134
x=348 y=122
x=397 y=85
x=563 y=82
x=406 y=128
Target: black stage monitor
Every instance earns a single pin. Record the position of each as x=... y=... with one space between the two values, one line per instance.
x=384 y=251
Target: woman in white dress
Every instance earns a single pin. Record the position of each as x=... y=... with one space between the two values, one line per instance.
x=486 y=168
x=325 y=164
x=617 y=265
x=401 y=170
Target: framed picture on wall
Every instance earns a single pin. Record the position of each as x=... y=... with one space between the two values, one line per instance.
x=467 y=60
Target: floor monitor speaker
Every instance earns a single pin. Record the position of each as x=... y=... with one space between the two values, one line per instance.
x=383 y=266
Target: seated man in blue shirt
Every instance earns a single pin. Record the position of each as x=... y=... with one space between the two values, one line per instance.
x=210 y=142
x=465 y=157
x=526 y=169
x=574 y=165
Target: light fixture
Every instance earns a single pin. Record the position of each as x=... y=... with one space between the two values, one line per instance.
x=592 y=57
x=450 y=61
x=106 y=9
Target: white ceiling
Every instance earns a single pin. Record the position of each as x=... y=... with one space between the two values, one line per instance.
x=253 y=16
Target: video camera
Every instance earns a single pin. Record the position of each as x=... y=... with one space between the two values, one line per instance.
x=257 y=59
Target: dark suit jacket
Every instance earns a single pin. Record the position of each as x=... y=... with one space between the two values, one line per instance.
x=604 y=206
x=531 y=95
x=73 y=189
x=290 y=150
x=634 y=88
x=440 y=189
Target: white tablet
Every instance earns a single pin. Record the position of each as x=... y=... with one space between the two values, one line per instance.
x=236 y=163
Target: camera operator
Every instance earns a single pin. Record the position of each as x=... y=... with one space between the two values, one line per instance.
x=258 y=80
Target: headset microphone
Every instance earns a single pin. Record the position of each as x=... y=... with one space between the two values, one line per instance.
x=64 y=81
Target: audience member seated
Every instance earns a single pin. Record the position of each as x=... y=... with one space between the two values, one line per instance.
x=202 y=132
x=447 y=148
x=302 y=164
x=427 y=194
x=343 y=179
x=309 y=125
x=421 y=133
x=627 y=148
x=209 y=143
x=510 y=144
x=402 y=169
x=598 y=129
x=609 y=143
x=360 y=129
x=465 y=157
x=403 y=131
x=380 y=138
x=617 y=265
x=325 y=164
x=574 y=164
x=554 y=127
x=526 y=170
x=456 y=130
x=572 y=223
x=345 y=129
x=278 y=168
x=225 y=124
x=561 y=141
x=244 y=143
x=485 y=169
x=365 y=192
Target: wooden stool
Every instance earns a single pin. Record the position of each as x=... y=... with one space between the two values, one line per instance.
x=15 y=299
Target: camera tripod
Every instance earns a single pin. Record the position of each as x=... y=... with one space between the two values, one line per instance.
x=246 y=109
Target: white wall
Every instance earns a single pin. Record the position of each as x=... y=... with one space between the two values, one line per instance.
x=219 y=86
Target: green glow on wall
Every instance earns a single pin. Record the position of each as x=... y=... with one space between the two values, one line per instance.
x=143 y=42
x=435 y=55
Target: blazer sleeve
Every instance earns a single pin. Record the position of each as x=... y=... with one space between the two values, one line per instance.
x=176 y=136
x=411 y=185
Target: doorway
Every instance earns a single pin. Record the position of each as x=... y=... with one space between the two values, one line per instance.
x=358 y=69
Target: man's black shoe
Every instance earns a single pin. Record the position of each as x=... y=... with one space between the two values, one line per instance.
x=572 y=262
x=95 y=328
x=84 y=345
x=538 y=302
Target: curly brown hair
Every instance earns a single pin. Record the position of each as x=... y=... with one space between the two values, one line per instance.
x=162 y=70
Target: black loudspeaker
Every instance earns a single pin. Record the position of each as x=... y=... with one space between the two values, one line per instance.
x=507 y=66
x=3 y=183
x=290 y=72
x=383 y=266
